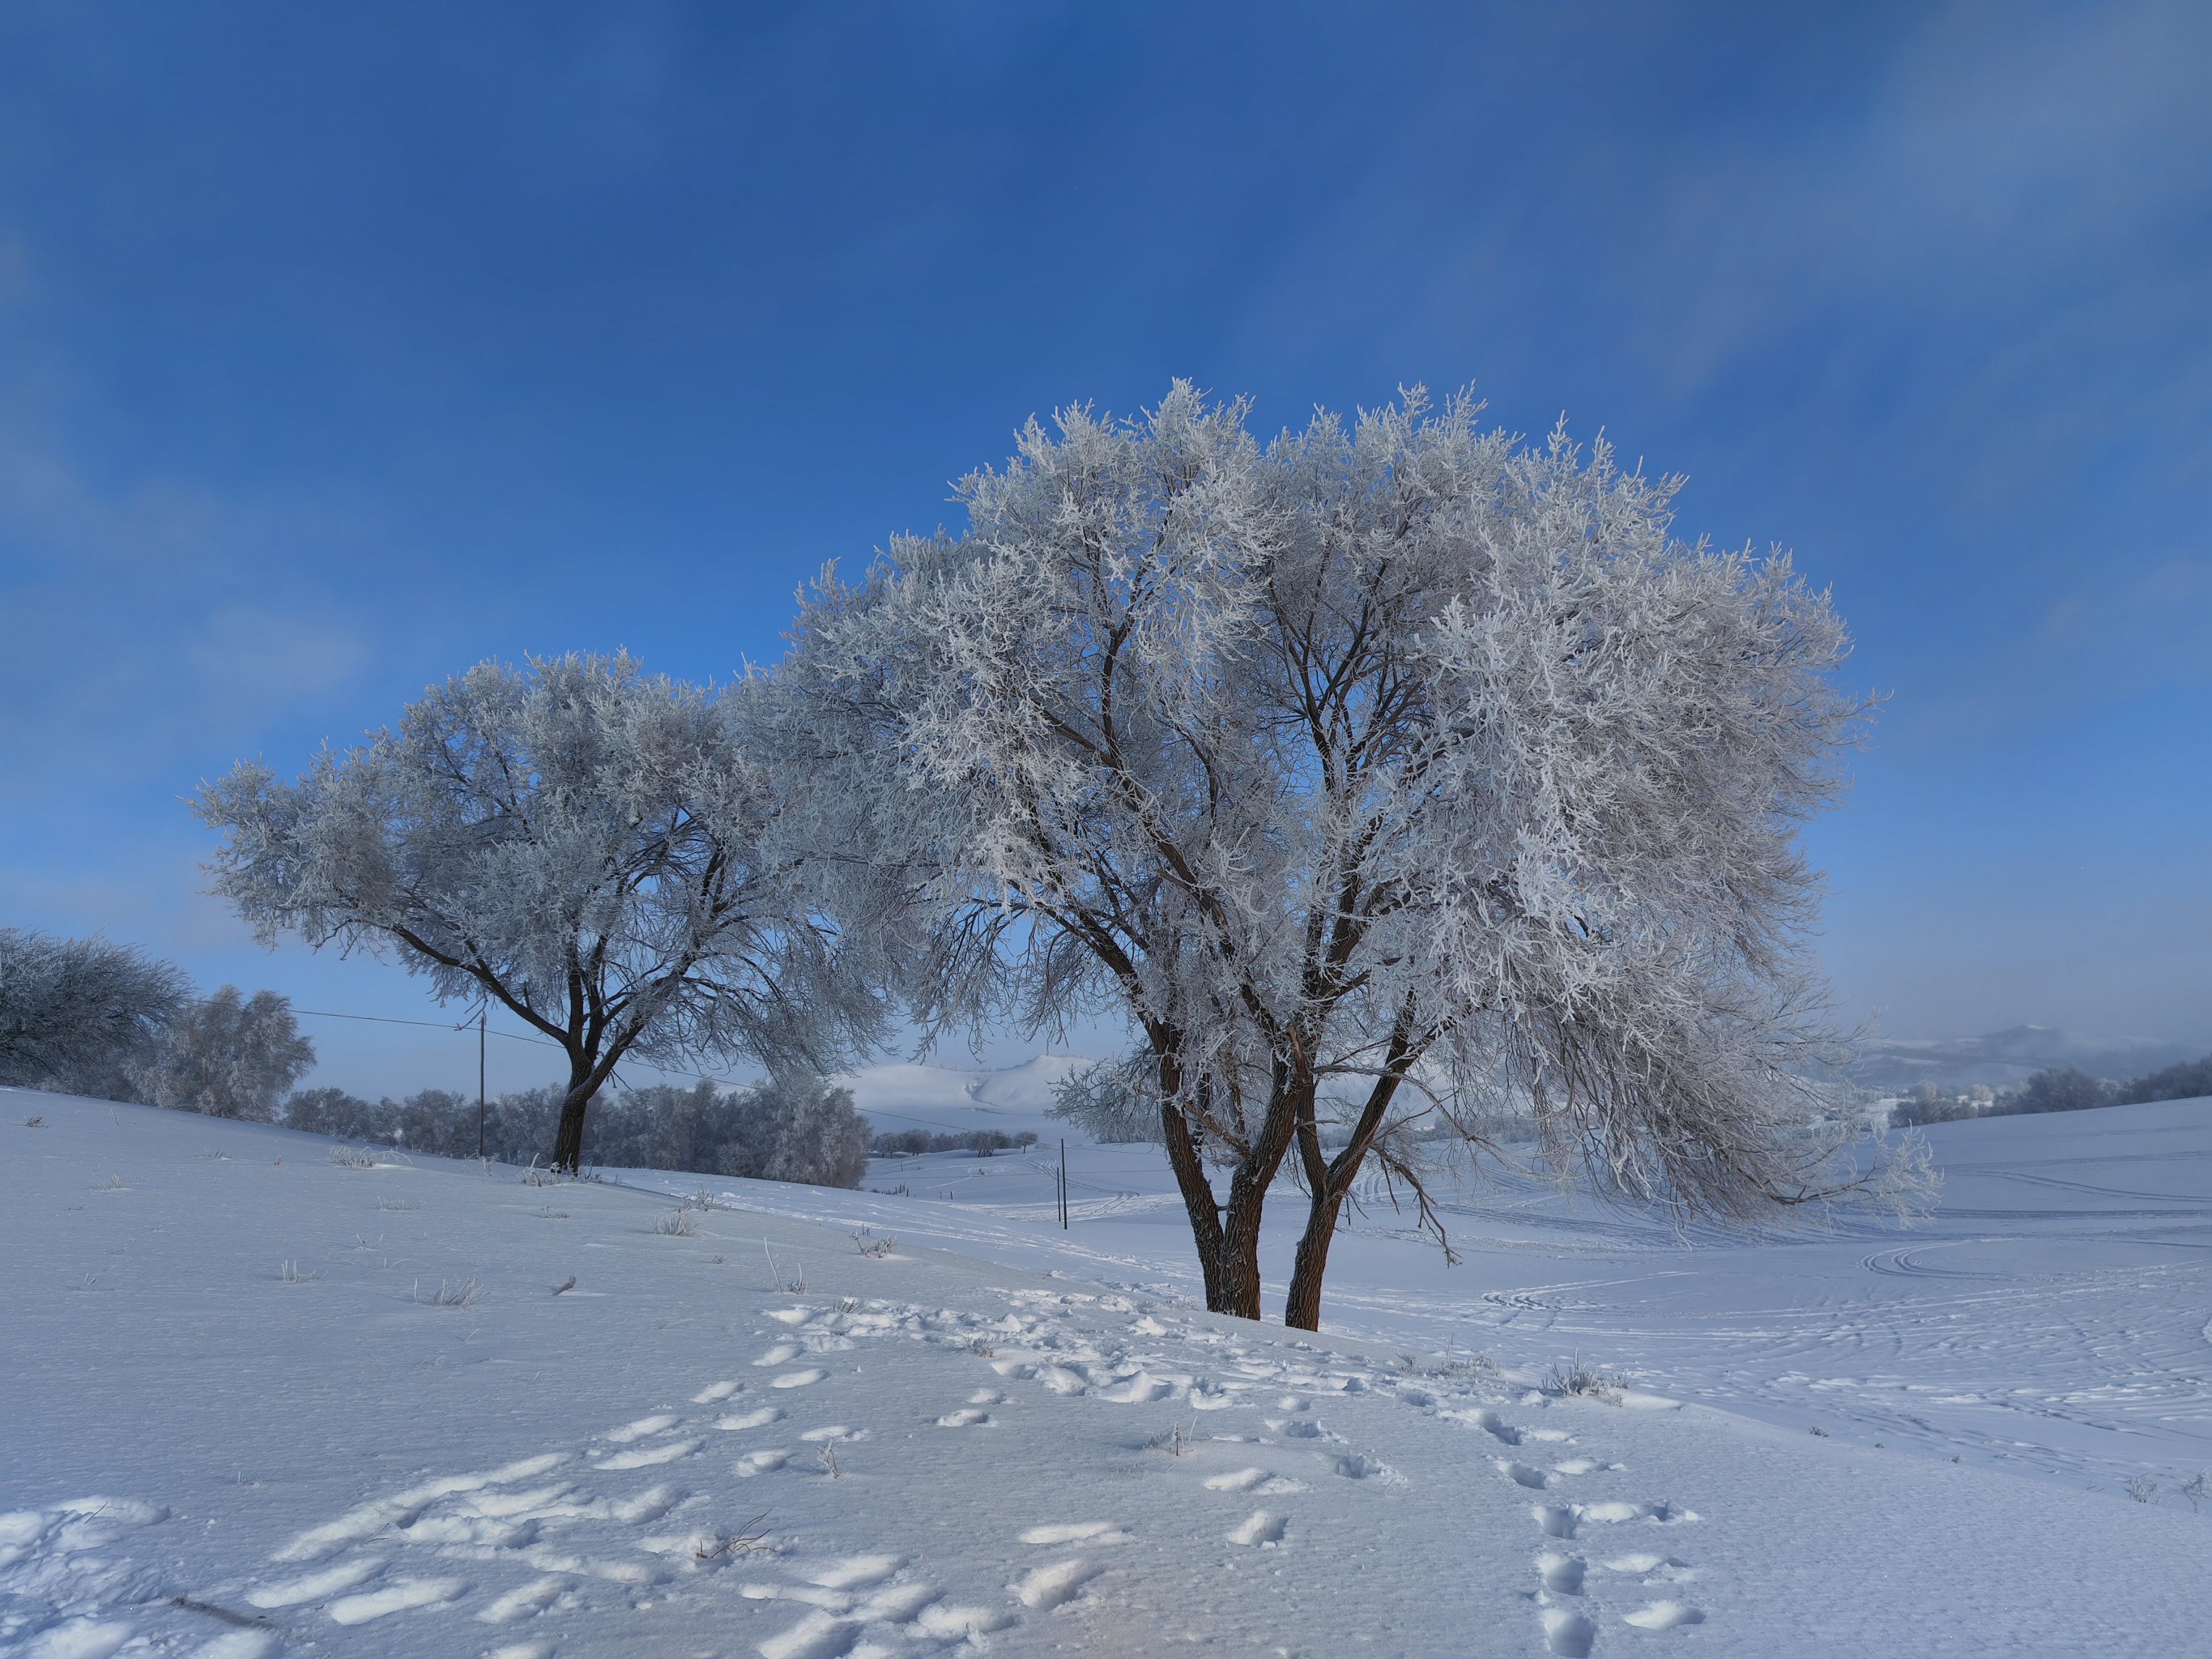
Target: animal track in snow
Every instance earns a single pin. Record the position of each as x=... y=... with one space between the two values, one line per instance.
x=806 y=1378
x=763 y=1462
x=714 y=1391
x=1522 y=1475
x=782 y=1354
x=967 y=1417
x=1263 y=1528
x=1236 y=1480
x=1663 y=1615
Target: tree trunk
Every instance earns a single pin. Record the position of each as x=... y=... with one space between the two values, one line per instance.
x=1302 y=1309
x=568 y=1140
x=1240 y=1250
x=1198 y=1201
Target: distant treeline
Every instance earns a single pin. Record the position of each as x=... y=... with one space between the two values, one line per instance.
x=912 y=1143
x=782 y=1129
x=2060 y=1089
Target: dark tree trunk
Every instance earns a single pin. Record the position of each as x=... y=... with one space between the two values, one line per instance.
x=1240 y=1251
x=1198 y=1201
x=569 y=1139
x=1302 y=1308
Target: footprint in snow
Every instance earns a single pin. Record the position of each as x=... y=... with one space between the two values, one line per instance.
x=1664 y=1615
x=763 y=1462
x=401 y=1595
x=638 y=1430
x=646 y=1457
x=1077 y=1532
x=1357 y=1468
x=1660 y=1568
x=968 y=1417
x=782 y=1354
x=1561 y=1574
x=1263 y=1528
x=1047 y=1587
x=1568 y=1634
x=524 y=1601
x=1522 y=1475
x=806 y=1378
x=759 y=1416
x=314 y=1586
x=715 y=1391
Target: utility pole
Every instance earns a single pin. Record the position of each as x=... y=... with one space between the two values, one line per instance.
x=1063 y=1183
x=480 y=1014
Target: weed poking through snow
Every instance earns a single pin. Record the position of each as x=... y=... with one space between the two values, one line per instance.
x=676 y=1223
x=466 y=1294
x=716 y=1546
x=1583 y=1381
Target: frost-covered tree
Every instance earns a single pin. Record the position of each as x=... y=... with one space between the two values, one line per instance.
x=226 y=1056
x=75 y=1014
x=1379 y=774
x=598 y=850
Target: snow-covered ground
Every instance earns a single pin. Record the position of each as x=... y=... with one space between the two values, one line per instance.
x=234 y=1420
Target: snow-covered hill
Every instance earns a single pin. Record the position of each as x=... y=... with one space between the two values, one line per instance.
x=235 y=1419
x=2010 y=1056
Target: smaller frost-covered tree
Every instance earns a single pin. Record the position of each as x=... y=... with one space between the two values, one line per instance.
x=1379 y=774
x=229 y=1056
x=599 y=851
x=76 y=1015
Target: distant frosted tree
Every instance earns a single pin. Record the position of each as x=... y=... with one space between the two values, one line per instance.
x=76 y=1014
x=804 y=1128
x=2184 y=1081
x=1377 y=775
x=227 y=1056
x=2062 y=1089
x=596 y=850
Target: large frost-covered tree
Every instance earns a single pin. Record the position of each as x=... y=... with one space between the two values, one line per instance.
x=75 y=1014
x=1380 y=775
x=598 y=850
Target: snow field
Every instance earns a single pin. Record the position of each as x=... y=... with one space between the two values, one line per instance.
x=917 y=1454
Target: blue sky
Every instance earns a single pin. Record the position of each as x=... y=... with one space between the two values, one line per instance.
x=343 y=347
